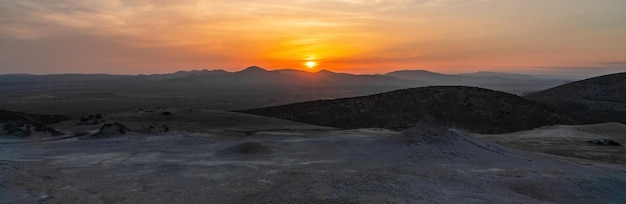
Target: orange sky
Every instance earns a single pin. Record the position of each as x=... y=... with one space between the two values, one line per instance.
x=357 y=36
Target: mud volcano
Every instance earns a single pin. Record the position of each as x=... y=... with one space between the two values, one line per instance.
x=111 y=129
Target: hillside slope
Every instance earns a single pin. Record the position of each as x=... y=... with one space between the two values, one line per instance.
x=18 y=117
x=594 y=100
x=473 y=109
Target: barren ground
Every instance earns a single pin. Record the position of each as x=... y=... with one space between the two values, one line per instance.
x=299 y=165
x=569 y=141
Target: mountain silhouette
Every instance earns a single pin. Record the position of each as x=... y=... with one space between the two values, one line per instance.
x=253 y=87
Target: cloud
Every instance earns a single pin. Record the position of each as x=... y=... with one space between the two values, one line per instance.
x=80 y=53
x=190 y=21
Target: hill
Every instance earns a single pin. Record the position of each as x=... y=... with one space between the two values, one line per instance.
x=18 y=117
x=519 y=84
x=595 y=100
x=416 y=74
x=469 y=108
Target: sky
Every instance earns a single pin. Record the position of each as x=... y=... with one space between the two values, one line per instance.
x=355 y=36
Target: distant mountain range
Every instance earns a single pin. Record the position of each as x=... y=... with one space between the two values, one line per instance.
x=594 y=100
x=256 y=76
x=473 y=109
x=253 y=87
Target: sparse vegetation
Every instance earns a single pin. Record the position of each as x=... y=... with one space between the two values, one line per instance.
x=473 y=109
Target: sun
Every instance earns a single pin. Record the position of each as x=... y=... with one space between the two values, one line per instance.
x=310 y=64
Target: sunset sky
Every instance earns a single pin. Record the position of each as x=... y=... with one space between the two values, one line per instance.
x=356 y=36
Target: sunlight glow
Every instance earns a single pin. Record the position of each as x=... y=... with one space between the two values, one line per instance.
x=310 y=64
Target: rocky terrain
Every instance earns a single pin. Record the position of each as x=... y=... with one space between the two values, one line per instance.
x=468 y=108
x=424 y=164
x=596 y=100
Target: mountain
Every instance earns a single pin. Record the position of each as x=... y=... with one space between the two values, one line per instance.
x=594 y=100
x=469 y=108
x=60 y=77
x=252 y=70
x=520 y=76
x=253 y=87
x=416 y=74
x=499 y=74
x=512 y=83
x=179 y=74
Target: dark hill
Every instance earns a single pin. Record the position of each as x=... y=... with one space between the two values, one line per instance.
x=473 y=109
x=594 y=100
x=27 y=118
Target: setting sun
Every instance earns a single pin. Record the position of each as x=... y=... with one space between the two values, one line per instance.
x=310 y=64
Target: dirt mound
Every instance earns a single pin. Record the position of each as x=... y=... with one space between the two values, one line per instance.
x=428 y=130
x=111 y=129
x=431 y=137
x=247 y=148
x=469 y=108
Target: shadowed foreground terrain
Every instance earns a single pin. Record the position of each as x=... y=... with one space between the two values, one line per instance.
x=468 y=108
x=580 y=141
x=427 y=163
